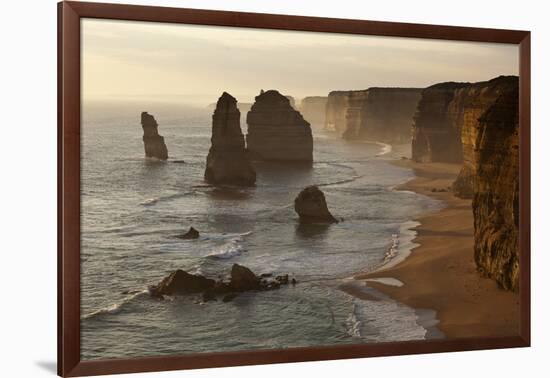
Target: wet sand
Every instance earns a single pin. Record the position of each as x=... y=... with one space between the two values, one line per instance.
x=440 y=273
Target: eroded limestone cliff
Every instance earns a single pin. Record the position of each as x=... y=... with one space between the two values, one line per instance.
x=388 y=114
x=152 y=142
x=313 y=109
x=474 y=101
x=476 y=124
x=495 y=164
x=446 y=120
x=277 y=132
x=227 y=161
x=335 y=115
x=378 y=114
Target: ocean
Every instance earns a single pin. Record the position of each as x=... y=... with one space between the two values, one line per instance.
x=132 y=209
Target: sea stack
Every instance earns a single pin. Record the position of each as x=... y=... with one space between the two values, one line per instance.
x=152 y=141
x=227 y=161
x=311 y=206
x=277 y=132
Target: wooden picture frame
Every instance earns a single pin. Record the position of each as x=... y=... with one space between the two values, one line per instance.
x=69 y=61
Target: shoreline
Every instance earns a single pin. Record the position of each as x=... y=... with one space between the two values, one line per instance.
x=439 y=274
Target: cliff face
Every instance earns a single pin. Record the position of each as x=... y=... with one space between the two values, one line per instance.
x=276 y=131
x=227 y=161
x=437 y=125
x=495 y=201
x=153 y=142
x=388 y=114
x=378 y=114
x=335 y=114
x=356 y=109
x=472 y=102
x=446 y=120
x=313 y=109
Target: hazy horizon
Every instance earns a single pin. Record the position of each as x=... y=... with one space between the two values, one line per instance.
x=190 y=64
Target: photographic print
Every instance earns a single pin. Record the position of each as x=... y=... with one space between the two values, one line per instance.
x=250 y=189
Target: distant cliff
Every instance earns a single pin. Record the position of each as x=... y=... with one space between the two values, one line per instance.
x=313 y=109
x=276 y=131
x=335 y=115
x=153 y=143
x=378 y=114
x=388 y=114
x=495 y=163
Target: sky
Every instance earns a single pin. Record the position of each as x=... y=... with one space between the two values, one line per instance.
x=175 y=63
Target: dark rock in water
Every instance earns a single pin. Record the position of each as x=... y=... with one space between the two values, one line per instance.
x=293 y=281
x=243 y=279
x=152 y=141
x=276 y=131
x=266 y=275
x=191 y=234
x=227 y=161
x=181 y=282
x=283 y=280
x=311 y=206
x=229 y=297
x=209 y=295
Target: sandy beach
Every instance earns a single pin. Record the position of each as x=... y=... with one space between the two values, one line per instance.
x=440 y=273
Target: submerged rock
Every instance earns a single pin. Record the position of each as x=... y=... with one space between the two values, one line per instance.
x=227 y=161
x=153 y=142
x=311 y=206
x=191 y=234
x=276 y=131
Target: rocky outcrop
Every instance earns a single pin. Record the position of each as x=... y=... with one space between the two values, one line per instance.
x=242 y=279
x=377 y=114
x=227 y=161
x=277 y=132
x=153 y=142
x=313 y=109
x=180 y=282
x=496 y=191
x=190 y=234
x=446 y=116
x=311 y=206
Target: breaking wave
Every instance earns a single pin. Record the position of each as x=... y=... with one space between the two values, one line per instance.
x=116 y=307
